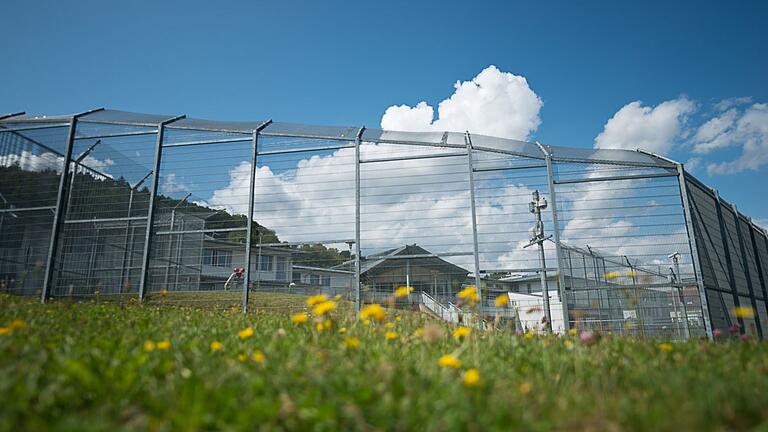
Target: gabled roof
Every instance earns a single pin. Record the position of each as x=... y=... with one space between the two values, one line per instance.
x=421 y=256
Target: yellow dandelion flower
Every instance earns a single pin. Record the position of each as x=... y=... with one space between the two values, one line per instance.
x=327 y=324
x=744 y=312
x=164 y=345
x=149 y=346
x=242 y=357
x=366 y=322
x=316 y=299
x=403 y=291
x=163 y=292
x=373 y=311
x=258 y=357
x=525 y=388
x=390 y=336
x=245 y=333
x=217 y=346
x=666 y=347
x=572 y=332
x=469 y=294
x=449 y=361
x=5 y=330
x=18 y=324
x=418 y=332
x=471 y=378
x=501 y=300
x=530 y=334
x=351 y=342
x=612 y=275
x=342 y=330
x=397 y=318
x=461 y=332
x=389 y=325
x=568 y=344
x=319 y=327
x=299 y=318
x=323 y=308
x=337 y=297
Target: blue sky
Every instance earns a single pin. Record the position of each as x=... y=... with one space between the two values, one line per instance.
x=346 y=63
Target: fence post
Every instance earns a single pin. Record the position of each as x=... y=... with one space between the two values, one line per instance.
x=249 y=218
x=9 y=115
x=689 y=227
x=61 y=206
x=758 y=263
x=151 y=209
x=745 y=266
x=357 y=219
x=728 y=259
x=556 y=233
x=478 y=281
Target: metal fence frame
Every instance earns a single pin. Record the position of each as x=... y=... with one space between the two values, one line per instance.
x=547 y=154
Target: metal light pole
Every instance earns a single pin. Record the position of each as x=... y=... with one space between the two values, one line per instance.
x=538 y=204
x=258 y=260
x=680 y=293
x=170 y=240
x=129 y=234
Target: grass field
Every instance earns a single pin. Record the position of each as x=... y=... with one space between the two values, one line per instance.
x=87 y=366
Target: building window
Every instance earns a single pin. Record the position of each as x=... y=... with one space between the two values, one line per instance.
x=265 y=263
x=314 y=280
x=217 y=258
x=282 y=269
x=326 y=281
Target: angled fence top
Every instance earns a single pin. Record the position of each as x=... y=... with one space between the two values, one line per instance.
x=435 y=139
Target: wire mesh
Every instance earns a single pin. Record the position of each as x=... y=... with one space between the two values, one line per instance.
x=101 y=242
x=626 y=261
x=733 y=254
x=434 y=221
x=31 y=162
x=415 y=219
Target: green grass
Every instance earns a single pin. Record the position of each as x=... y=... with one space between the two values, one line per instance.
x=208 y=299
x=83 y=366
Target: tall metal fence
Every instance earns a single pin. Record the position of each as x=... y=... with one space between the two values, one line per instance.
x=112 y=203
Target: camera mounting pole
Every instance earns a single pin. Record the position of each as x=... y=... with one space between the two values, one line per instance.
x=538 y=204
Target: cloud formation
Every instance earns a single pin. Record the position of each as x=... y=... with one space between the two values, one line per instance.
x=422 y=201
x=655 y=129
x=493 y=103
x=747 y=129
x=30 y=161
x=736 y=124
x=425 y=201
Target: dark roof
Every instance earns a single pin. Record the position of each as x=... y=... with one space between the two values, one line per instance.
x=374 y=261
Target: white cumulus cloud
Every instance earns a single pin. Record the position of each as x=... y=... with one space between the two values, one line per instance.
x=726 y=104
x=749 y=131
x=654 y=129
x=716 y=133
x=493 y=103
x=30 y=161
x=422 y=201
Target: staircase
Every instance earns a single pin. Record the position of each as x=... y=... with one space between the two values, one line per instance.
x=446 y=312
